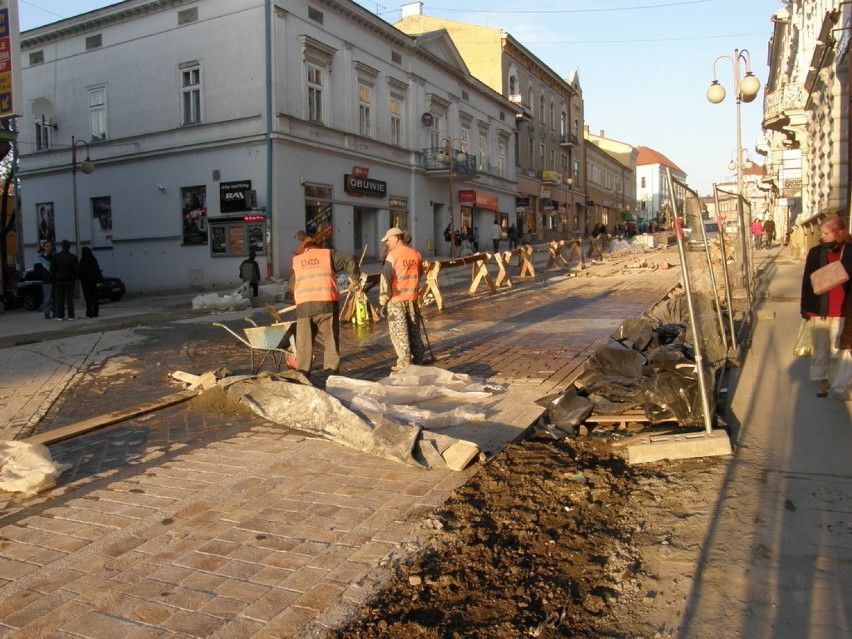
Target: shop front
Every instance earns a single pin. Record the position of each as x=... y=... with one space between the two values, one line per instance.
x=479 y=210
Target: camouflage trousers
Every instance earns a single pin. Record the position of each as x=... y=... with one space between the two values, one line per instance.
x=404 y=331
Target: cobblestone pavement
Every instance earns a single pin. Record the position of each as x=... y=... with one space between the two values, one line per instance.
x=202 y=520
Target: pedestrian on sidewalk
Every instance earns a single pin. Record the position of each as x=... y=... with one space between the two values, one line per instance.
x=824 y=311
x=496 y=235
x=90 y=274
x=769 y=232
x=250 y=272
x=314 y=288
x=757 y=232
x=64 y=270
x=398 y=290
x=43 y=266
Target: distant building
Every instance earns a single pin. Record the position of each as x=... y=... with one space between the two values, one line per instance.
x=549 y=135
x=610 y=180
x=652 y=189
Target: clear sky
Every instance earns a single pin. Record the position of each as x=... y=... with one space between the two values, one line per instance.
x=644 y=65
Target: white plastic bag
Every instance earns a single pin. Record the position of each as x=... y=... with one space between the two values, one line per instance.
x=841 y=387
x=27 y=468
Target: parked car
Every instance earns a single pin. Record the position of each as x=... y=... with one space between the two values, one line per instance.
x=695 y=240
x=30 y=295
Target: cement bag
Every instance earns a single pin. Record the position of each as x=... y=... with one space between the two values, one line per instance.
x=841 y=388
x=27 y=468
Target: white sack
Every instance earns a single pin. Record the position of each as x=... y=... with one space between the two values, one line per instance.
x=27 y=468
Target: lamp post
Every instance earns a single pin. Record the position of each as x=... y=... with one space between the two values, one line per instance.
x=449 y=158
x=745 y=89
x=86 y=166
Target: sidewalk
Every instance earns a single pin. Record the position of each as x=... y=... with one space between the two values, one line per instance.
x=775 y=559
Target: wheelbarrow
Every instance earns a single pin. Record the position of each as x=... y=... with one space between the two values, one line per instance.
x=276 y=342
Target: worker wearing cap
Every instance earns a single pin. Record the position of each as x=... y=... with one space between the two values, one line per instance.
x=398 y=290
x=314 y=288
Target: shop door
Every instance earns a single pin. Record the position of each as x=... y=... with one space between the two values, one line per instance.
x=366 y=232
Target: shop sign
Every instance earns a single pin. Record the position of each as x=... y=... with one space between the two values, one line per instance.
x=544 y=194
x=232 y=196
x=353 y=184
x=479 y=200
x=522 y=202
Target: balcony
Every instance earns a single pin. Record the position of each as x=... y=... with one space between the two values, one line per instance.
x=432 y=164
x=785 y=107
x=568 y=140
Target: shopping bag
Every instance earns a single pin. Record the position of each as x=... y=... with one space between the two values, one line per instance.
x=841 y=387
x=803 y=340
x=830 y=276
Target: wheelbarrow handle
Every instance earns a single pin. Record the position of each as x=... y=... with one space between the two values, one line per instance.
x=244 y=341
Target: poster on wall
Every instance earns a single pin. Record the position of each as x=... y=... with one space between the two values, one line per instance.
x=46 y=227
x=101 y=221
x=194 y=214
x=217 y=239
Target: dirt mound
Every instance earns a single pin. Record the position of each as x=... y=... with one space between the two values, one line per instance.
x=536 y=544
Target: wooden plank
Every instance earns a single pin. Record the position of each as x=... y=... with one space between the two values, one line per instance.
x=88 y=425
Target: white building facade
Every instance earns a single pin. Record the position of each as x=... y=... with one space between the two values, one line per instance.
x=225 y=126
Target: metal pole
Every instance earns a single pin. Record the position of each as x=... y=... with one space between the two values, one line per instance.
x=74 y=189
x=745 y=229
x=696 y=333
x=728 y=299
x=452 y=213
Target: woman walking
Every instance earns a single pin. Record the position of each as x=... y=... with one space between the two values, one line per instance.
x=824 y=311
x=89 y=273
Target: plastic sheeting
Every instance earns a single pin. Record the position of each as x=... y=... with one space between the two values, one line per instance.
x=648 y=365
x=27 y=468
x=216 y=302
x=380 y=418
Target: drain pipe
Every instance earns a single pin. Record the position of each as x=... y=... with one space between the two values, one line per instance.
x=270 y=218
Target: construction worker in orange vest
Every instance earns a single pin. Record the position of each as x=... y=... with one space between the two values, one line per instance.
x=398 y=290
x=314 y=288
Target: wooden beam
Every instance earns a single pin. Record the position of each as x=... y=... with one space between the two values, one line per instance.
x=89 y=425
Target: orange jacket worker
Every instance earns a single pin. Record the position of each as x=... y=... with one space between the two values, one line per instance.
x=314 y=288
x=399 y=288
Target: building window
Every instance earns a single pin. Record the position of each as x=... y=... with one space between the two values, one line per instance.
x=530 y=152
x=93 y=42
x=315 y=87
x=43 y=134
x=552 y=164
x=576 y=171
x=396 y=120
x=315 y=14
x=97 y=113
x=483 y=149
x=541 y=157
x=563 y=125
x=36 y=57
x=642 y=180
x=365 y=110
x=464 y=139
x=319 y=220
x=501 y=158
x=190 y=87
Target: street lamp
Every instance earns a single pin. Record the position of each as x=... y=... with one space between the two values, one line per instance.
x=744 y=159
x=86 y=166
x=449 y=157
x=745 y=89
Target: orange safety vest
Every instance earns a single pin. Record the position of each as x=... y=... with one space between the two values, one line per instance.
x=406 y=263
x=314 y=277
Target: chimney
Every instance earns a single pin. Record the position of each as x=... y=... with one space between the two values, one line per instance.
x=412 y=9
x=603 y=133
x=586 y=127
